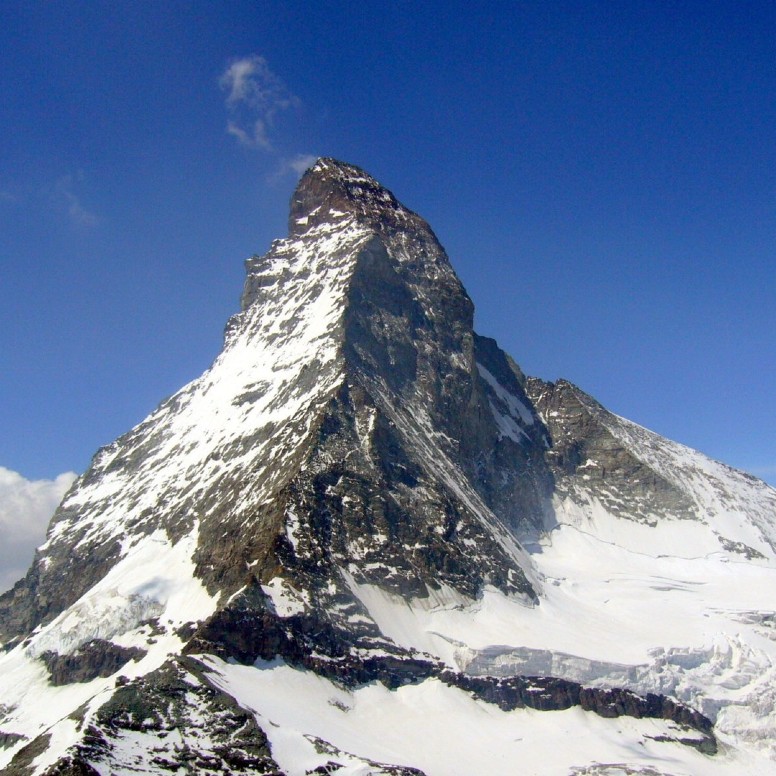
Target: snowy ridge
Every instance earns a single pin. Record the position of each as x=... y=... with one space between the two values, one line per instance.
x=737 y=506
x=142 y=603
x=686 y=503
x=212 y=426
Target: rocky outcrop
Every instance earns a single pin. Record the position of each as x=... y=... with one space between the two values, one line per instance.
x=9 y=739
x=92 y=659
x=186 y=725
x=71 y=766
x=553 y=694
x=584 y=455
x=248 y=630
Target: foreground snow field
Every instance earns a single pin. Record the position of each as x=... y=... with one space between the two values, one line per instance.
x=445 y=732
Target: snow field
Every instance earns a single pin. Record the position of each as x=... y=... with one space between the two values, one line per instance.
x=445 y=732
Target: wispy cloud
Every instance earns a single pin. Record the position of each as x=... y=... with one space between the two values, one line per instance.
x=301 y=163
x=255 y=138
x=294 y=166
x=254 y=98
x=26 y=506
x=6 y=196
x=78 y=214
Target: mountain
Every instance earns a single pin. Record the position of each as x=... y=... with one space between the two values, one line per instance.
x=364 y=542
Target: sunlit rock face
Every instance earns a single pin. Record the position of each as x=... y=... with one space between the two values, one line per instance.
x=364 y=509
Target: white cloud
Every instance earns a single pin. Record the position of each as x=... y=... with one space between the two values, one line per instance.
x=26 y=507
x=296 y=166
x=301 y=163
x=254 y=97
x=249 y=81
x=256 y=139
x=76 y=212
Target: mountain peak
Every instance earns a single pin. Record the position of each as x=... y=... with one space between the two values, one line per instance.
x=362 y=491
x=332 y=189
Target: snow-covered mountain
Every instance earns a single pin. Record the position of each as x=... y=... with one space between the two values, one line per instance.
x=363 y=542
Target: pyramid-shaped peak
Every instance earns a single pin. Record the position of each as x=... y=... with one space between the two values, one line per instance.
x=333 y=169
x=332 y=189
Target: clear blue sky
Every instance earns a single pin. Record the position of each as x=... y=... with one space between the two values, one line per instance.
x=603 y=176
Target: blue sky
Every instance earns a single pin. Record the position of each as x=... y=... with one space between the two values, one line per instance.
x=603 y=176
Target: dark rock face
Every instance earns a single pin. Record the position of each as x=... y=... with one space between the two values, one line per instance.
x=39 y=597
x=332 y=186
x=21 y=765
x=170 y=705
x=740 y=548
x=9 y=739
x=248 y=631
x=584 y=454
x=513 y=477
x=552 y=694
x=361 y=506
x=90 y=660
x=71 y=766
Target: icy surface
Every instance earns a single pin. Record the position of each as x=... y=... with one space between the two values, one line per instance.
x=445 y=732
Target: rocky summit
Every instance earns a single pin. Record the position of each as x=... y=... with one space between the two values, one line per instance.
x=364 y=542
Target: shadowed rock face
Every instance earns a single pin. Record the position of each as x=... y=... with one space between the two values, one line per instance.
x=585 y=455
x=95 y=658
x=552 y=694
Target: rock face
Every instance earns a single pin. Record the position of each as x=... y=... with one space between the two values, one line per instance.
x=599 y=458
x=585 y=449
x=213 y=733
x=360 y=490
x=92 y=659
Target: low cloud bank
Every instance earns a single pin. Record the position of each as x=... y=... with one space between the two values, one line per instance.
x=26 y=507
